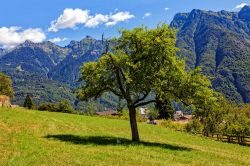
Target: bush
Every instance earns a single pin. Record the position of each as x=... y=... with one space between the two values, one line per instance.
x=28 y=103
x=171 y=125
x=91 y=109
x=63 y=106
x=48 y=107
x=237 y=122
x=194 y=127
x=153 y=114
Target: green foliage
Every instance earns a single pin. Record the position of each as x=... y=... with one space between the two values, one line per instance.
x=171 y=125
x=153 y=114
x=6 y=85
x=144 y=62
x=48 y=107
x=194 y=127
x=213 y=119
x=237 y=121
x=41 y=88
x=91 y=109
x=63 y=106
x=165 y=109
x=227 y=119
x=130 y=72
x=28 y=103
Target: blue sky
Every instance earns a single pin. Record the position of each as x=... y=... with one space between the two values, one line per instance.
x=32 y=19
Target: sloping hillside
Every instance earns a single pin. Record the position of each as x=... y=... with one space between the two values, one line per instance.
x=45 y=138
x=220 y=43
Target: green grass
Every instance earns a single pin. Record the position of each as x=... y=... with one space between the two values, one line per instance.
x=46 y=138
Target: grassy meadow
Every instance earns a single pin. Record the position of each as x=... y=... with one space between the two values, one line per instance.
x=46 y=138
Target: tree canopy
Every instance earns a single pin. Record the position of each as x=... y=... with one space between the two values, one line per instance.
x=143 y=63
x=6 y=85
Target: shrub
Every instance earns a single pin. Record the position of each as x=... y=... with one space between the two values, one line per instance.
x=237 y=122
x=91 y=110
x=153 y=114
x=28 y=103
x=171 y=125
x=48 y=107
x=194 y=127
x=63 y=106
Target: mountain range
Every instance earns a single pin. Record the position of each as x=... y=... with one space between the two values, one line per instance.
x=219 y=42
x=47 y=71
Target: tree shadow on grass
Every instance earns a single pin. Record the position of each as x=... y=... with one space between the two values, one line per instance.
x=105 y=140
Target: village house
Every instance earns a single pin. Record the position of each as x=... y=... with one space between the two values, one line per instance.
x=177 y=115
x=180 y=117
x=5 y=101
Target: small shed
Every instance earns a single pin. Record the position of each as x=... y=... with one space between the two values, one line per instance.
x=5 y=101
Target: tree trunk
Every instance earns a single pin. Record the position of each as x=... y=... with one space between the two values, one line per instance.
x=133 y=124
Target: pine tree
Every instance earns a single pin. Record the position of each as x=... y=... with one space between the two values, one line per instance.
x=28 y=103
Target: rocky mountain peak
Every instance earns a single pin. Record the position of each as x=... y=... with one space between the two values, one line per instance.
x=244 y=14
x=27 y=43
x=219 y=42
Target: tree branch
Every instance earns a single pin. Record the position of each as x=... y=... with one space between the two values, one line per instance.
x=145 y=103
x=118 y=77
x=116 y=68
x=141 y=99
x=118 y=72
x=114 y=91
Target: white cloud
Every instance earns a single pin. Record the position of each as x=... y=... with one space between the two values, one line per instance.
x=238 y=7
x=146 y=15
x=69 y=19
x=95 y=21
x=166 y=8
x=119 y=17
x=57 y=40
x=13 y=36
x=73 y=17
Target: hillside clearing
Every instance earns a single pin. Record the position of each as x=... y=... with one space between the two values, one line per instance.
x=46 y=138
